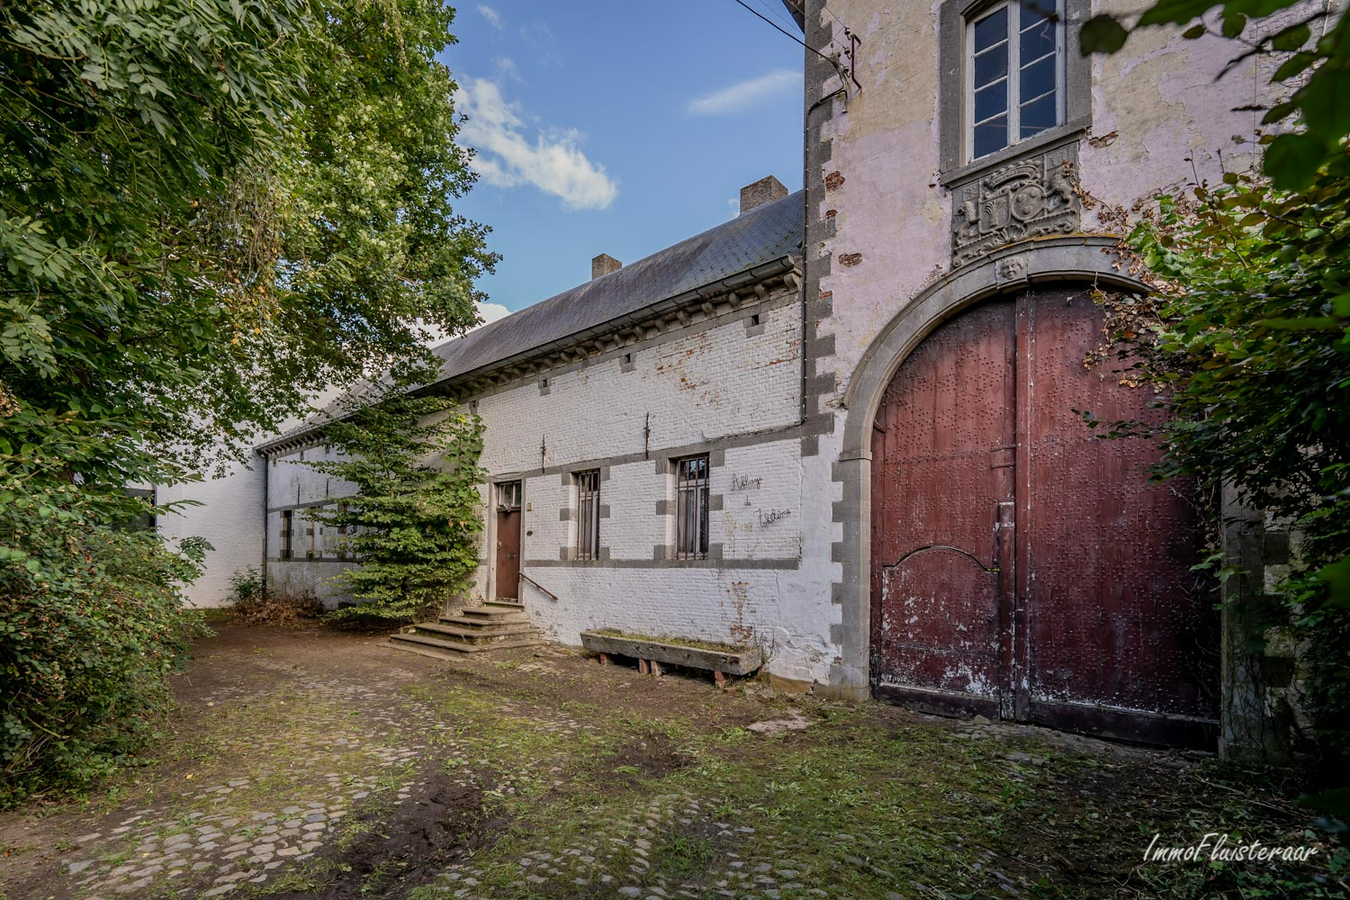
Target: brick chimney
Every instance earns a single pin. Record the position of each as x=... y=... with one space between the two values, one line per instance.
x=603 y=265
x=766 y=190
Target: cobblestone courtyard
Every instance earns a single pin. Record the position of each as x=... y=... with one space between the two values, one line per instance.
x=318 y=764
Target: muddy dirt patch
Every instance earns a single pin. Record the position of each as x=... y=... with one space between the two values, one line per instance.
x=390 y=853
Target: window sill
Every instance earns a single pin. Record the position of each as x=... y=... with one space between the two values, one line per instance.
x=1063 y=134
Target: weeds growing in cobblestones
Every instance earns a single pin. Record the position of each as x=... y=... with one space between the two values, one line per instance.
x=546 y=789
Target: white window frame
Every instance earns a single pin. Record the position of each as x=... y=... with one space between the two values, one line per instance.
x=1013 y=85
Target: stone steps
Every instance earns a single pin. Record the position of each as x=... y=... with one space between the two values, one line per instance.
x=496 y=625
x=496 y=634
x=490 y=614
x=416 y=643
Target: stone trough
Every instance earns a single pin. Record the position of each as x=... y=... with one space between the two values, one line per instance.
x=651 y=654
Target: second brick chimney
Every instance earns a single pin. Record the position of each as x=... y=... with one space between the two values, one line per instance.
x=766 y=190
x=603 y=265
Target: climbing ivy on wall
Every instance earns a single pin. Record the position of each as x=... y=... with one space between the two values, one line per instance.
x=413 y=525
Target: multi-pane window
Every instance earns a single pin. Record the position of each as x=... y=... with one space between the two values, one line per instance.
x=509 y=495
x=1014 y=73
x=287 y=529
x=691 y=508
x=588 y=514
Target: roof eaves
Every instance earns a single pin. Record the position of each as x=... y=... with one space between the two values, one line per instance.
x=308 y=435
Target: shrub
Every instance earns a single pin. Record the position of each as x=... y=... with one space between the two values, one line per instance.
x=253 y=605
x=91 y=623
x=1247 y=336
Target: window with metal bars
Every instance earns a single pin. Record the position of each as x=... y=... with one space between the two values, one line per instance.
x=1014 y=74
x=287 y=529
x=588 y=514
x=342 y=548
x=691 y=508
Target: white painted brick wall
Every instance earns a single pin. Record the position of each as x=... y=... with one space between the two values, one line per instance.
x=696 y=388
x=229 y=518
x=761 y=519
x=699 y=387
x=723 y=604
x=291 y=483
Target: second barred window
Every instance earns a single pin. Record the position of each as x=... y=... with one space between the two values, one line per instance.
x=588 y=514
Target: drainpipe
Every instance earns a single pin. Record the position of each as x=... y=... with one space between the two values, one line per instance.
x=807 y=17
x=267 y=484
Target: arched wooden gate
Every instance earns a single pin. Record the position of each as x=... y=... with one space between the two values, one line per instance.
x=1023 y=567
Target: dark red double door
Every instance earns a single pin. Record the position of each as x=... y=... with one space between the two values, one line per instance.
x=1023 y=567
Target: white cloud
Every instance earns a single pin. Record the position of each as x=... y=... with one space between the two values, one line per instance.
x=491 y=312
x=746 y=94
x=506 y=157
x=434 y=335
x=493 y=17
x=507 y=70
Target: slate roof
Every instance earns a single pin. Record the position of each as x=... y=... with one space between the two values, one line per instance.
x=770 y=232
x=765 y=234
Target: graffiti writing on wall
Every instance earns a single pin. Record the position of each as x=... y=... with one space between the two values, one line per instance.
x=768 y=517
x=745 y=482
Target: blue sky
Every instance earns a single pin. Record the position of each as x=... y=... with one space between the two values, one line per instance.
x=617 y=127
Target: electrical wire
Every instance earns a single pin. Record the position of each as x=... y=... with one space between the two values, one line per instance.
x=833 y=16
x=777 y=11
x=776 y=26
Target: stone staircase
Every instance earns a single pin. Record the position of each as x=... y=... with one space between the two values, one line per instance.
x=496 y=625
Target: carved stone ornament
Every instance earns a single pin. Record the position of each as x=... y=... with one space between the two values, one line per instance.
x=1012 y=268
x=1031 y=197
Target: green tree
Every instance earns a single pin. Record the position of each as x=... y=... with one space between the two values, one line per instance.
x=414 y=522
x=91 y=625
x=209 y=209
x=1247 y=334
x=1248 y=326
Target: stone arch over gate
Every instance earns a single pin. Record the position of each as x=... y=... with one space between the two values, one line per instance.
x=1082 y=260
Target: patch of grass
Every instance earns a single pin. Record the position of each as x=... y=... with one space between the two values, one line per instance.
x=859 y=810
x=863 y=803
x=310 y=876
x=215 y=615
x=684 y=857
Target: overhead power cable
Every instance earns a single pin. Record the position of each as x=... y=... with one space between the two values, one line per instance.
x=761 y=15
x=833 y=16
x=777 y=11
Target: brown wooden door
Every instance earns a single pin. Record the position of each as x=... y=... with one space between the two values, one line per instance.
x=940 y=463
x=508 y=554
x=1022 y=565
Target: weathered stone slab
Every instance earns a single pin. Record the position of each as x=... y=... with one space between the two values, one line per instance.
x=732 y=661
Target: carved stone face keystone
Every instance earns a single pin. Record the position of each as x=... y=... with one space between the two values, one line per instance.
x=1012 y=268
